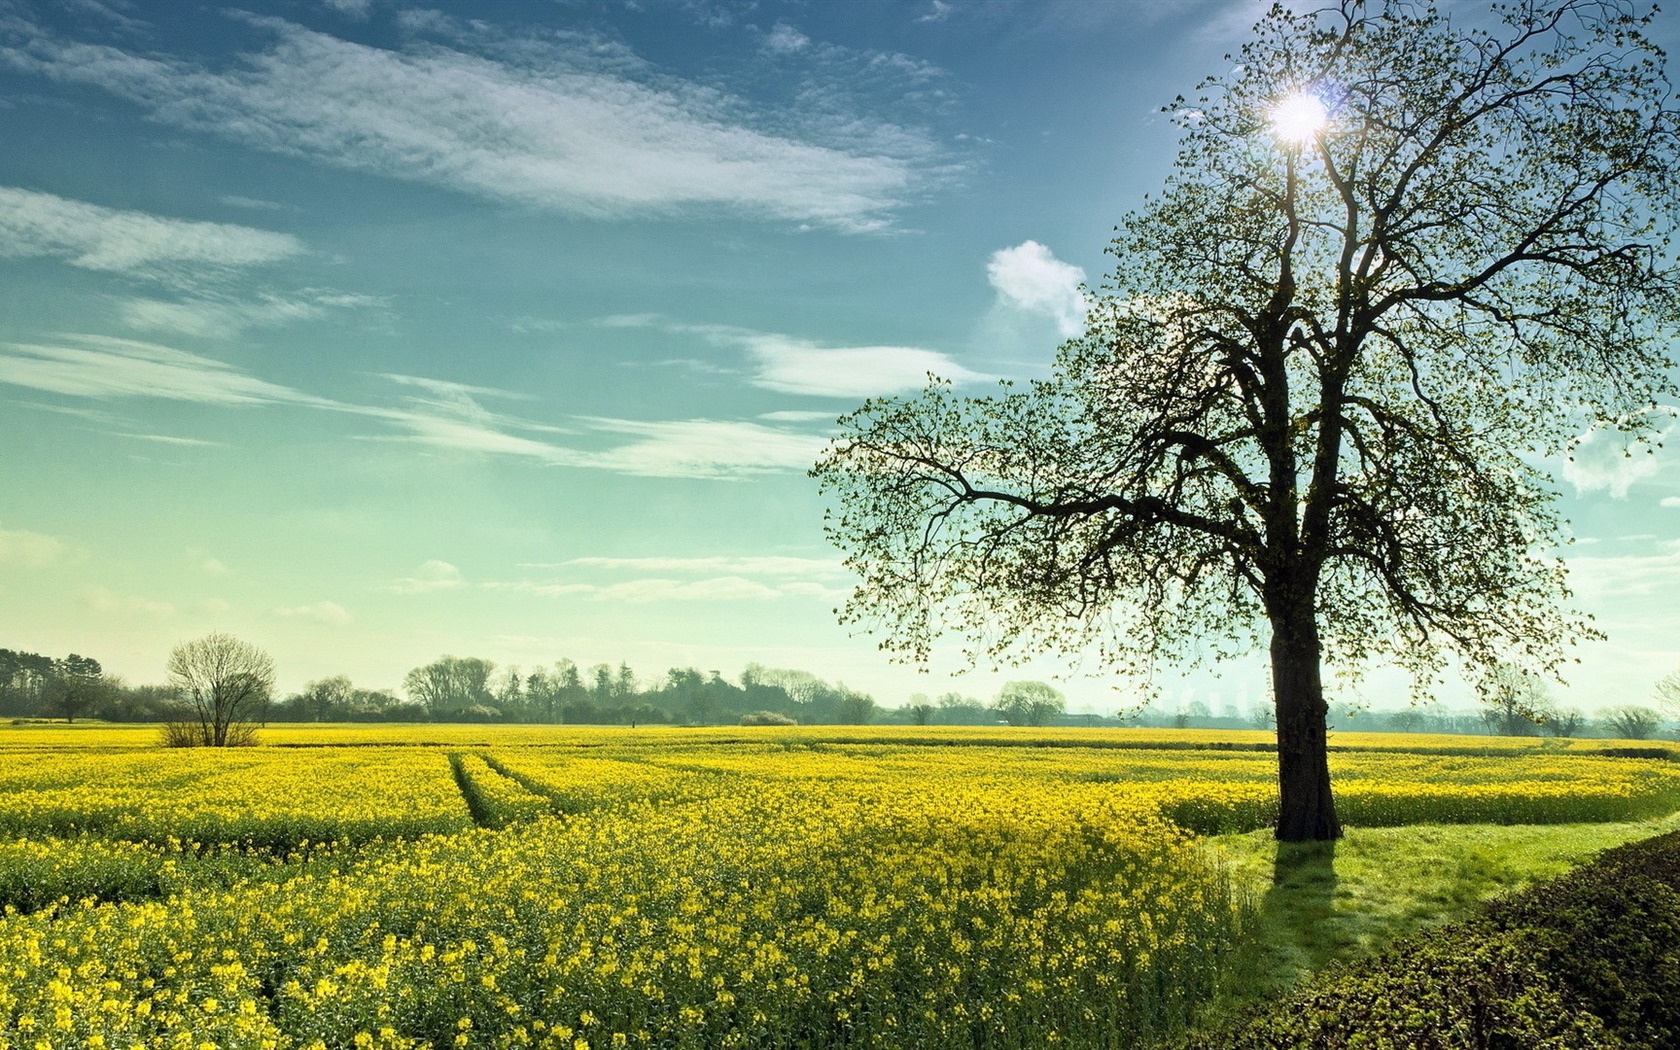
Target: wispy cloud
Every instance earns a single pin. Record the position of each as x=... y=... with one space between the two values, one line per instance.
x=704 y=448
x=542 y=123
x=1602 y=580
x=676 y=579
x=443 y=415
x=660 y=589
x=1029 y=277
x=133 y=243
x=794 y=366
x=1604 y=461
x=20 y=548
x=169 y=439
x=790 y=365
x=330 y=613
x=432 y=575
x=107 y=602
x=642 y=592
x=96 y=366
x=453 y=419
x=749 y=565
x=785 y=39
x=797 y=416
x=938 y=11
x=222 y=316
x=450 y=391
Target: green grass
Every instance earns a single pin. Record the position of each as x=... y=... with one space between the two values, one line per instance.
x=1321 y=903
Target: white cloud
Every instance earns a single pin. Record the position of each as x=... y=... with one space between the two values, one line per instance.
x=330 y=613
x=450 y=418
x=791 y=365
x=225 y=317
x=702 y=448
x=1028 y=277
x=1604 y=461
x=432 y=575
x=548 y=124
x=234 y=200
x=1669 y=501
x=22 y=549
x=169 y=439
x=797 y=416
x=1604 y=582
x=658 y=589
x=213 y=566
x=108 y=602
x=356 y=9
x=750 y=565
x=105 y=367
x=689 y=448
x=785 y=40
x=129 y=242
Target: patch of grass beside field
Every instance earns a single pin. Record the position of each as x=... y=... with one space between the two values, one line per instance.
x=1318 y=904
x=1585 y=960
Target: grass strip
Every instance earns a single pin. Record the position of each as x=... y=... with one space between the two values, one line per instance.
x=1585 y=959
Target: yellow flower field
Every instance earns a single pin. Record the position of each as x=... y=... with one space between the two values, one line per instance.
x=518 y=886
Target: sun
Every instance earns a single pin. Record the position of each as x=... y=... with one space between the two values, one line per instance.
x=1299 y=118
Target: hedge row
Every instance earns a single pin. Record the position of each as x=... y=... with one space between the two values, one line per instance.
x=1591 y=959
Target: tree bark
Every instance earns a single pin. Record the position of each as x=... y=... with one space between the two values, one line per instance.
x=1306 y=808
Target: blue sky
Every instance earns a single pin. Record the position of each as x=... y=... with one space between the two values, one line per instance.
x=370 y=332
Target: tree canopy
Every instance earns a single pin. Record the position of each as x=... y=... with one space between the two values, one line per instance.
x=1400 y=267
x=227 y=684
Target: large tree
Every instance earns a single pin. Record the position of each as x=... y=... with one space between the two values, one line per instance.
x=227 y=684
x=1400 y=267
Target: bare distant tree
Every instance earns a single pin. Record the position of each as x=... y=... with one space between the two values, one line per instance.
x=227 y=683
x=1632 y=722
x=1516 y=703
x=1030 y=703
x=1564 y=721
x=1668 y=693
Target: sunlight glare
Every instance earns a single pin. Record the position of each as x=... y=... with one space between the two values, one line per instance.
x=1298 y=118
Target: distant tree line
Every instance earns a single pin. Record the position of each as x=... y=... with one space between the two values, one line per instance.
x=76 y=686
x=472 y=689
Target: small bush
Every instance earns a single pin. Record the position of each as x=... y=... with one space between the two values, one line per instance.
x=192 y=734
x=767 y=718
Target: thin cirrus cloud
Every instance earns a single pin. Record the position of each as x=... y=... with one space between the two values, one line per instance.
x=707 y=578
x=708 y=449
x=442 y=415
x=539 y=126
x=330 y=613
x=790 y=365
x=96 y=366
x=742 y=565
x=662 y=589
x=94 y=237
x=224 y=317
x=432 y=575
x=20 y=548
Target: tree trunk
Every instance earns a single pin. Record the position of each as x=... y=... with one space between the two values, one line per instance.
x=1306 y=808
